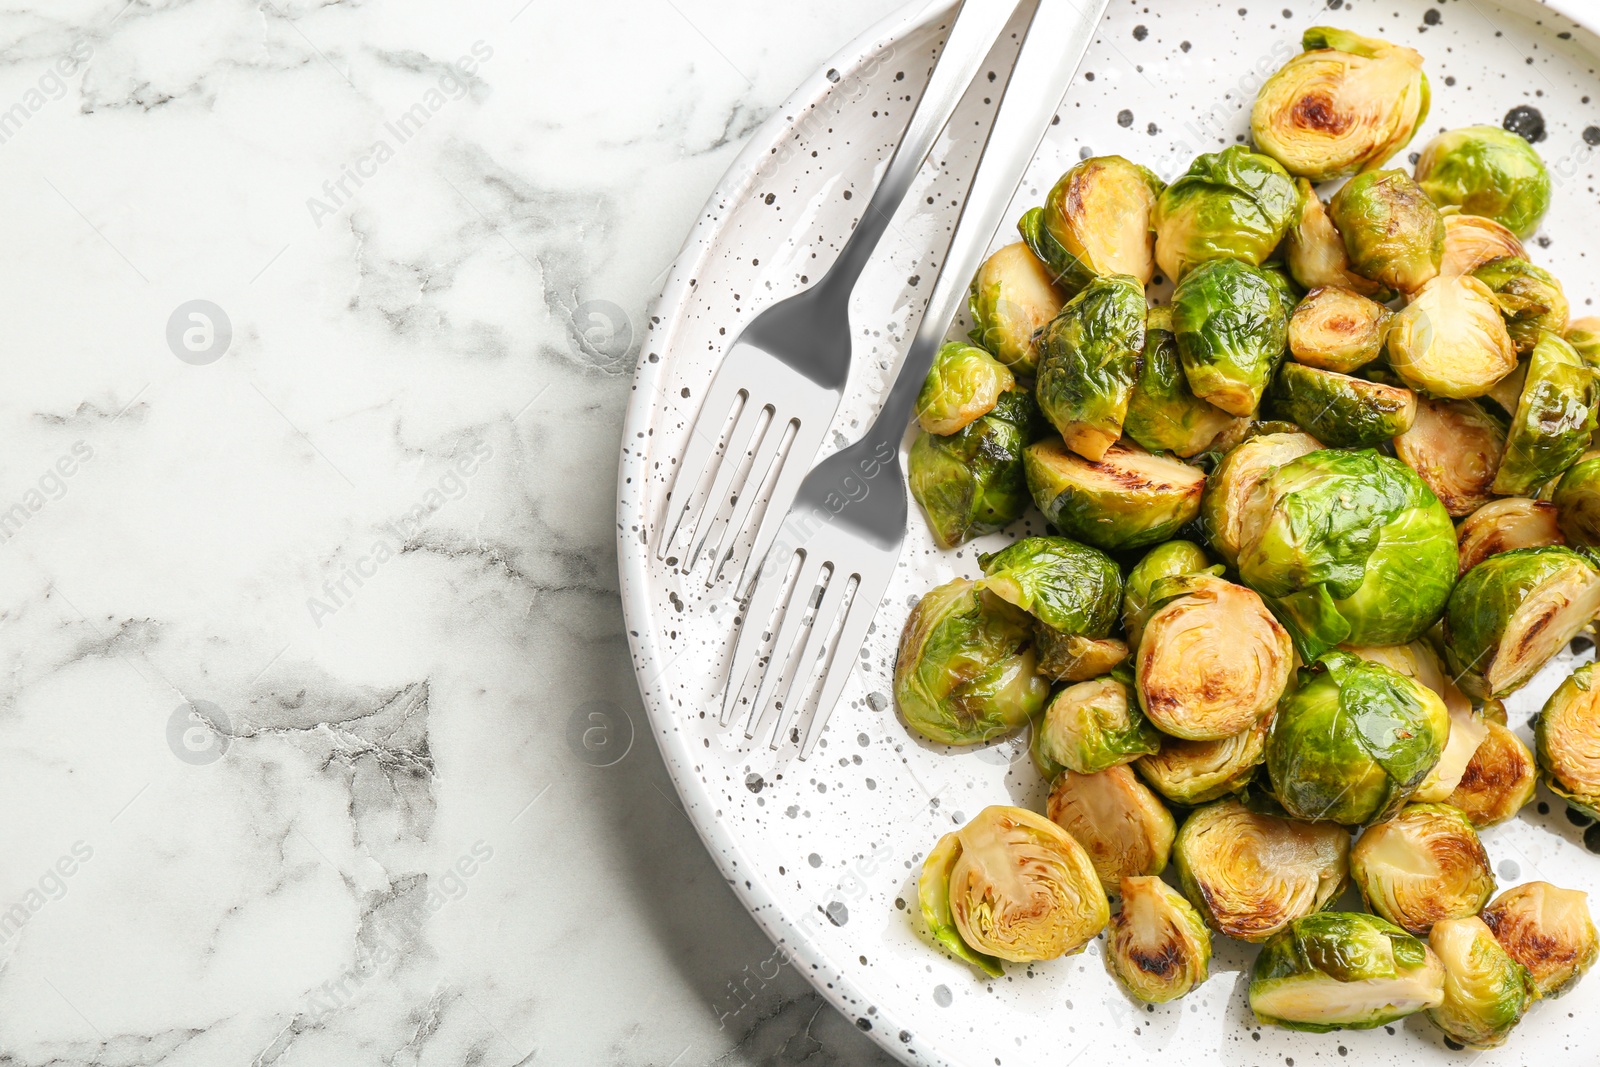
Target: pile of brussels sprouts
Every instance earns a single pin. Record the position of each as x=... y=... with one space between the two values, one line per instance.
x=1311 y=520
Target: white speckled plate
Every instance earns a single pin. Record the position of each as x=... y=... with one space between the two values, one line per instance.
x=823 y=853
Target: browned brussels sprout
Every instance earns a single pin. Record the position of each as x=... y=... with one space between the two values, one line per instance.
x=1505 y=524
x=1454 y=446
x=1337 y=329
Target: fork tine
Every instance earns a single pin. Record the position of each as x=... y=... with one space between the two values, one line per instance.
x=815 y=646
x=757 y=614
x=784 y=489
x=859 y=614
x=794 y=614
x=700 y=457
x=746 y=435
x=772 y=451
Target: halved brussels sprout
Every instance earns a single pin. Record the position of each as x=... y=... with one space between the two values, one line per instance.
x=1129 y=499
x=1342 y=970
x=1070 y=587
x=1470 y=241
x=1554 y=420
x=1530 y=298
x=1392 y=232
x=1467 y=729
x=1315 y=252
x=1096 y=222
x=1423 y=865
x=1450 y=340
x=972 y=482
x=1577 y=501
x=1584 y=336
x=1499 y=780
x=1250 y=875
x=1337 y=329
x=1487 y=171
x=1089 y=727
x=1548 y=930
x=1348 y=548
x=964 y=673
x=1160 y=948
x=962 y=387
x=1164 y=415
x=1512 y=612
x=1089 y=358
x=1339 y=410
x=1018 y=887
x=1567 y=737
x=1454 y=446
x=1124 y=827
x=1486 y=991
x=1231 y=330
x=1194 y=772
x=1234 y=204
x=1230 y=485
x=1163 y=561
x=1345 y=104
x=1354 y=741
x=1010 y=301
x=1072 y=657
x=1212 y=661
x=1504 y=524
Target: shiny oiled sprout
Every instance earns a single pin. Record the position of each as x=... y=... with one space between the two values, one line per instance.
x=962 y=387
x=1470 y=241
x=933 y=897
x=1343 y=971
x=1467 y=729
x=1454 y=446
x=1337 y=329
x=1071 y=587
x=1089 y=357
x=1423 y=865
x=1345 y=104
x=1163 y=561
x=1129 y=499
x=1068 y=657
x=1230 y=485
x=972 y=482
x=1314 y=251
x=1289 y=291
x=1250 y=875
x=1164 y=415
x=1486 y=991
x=1554 y=419
x=1548 y=930
x=1577 y=501
x=1195 y=772
x=1160 y=948
x=1124 y=828
x=1584 y=336
x=1234 y=204
x=1504 y=524
x=1487 y=171
x=1212 y=661
x=1501 y=399
x=1089 y=727
x=1339 y=410
x=1530 y=299
x=1392 y=232
x=1231 y=329
x=1010 y=301
x=1450 y=341
x=1095 y=222
x=964 y=673
x=1499 y=781
x=1567 y=738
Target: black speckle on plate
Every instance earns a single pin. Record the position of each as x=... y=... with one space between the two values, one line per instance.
x=1431 y=16
x=1578 y=818
x=1140 y=32
x=1526 y=121
x=1124 y=118
x=1591 y=838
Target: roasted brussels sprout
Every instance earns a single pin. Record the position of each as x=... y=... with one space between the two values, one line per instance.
x=1470 y=241
x=1567 y=738
x=1337 y=329
x=1230 y=485
x=1089 y=358
x=1353 y=741
x=1010 y=301
x=1577 y=502
x=1129 y=499
x=1502 y=397
x=1073 y=588
x=1163 y=561
x=1124 y=827
x=1584 y=336
x=1504 y=524
x=1089 y=727
x=1250 y=875
x=1345 y=104
x=1499 y=780
x=1289 y=291
x=1339 y=410
x=1546 y=929
x=1194 y=772
x=1418 y=660
x=1095 y=222
x=1392 y=232
x=1486 y=991
x=1454 y=446
x=1512 y=612
x=1314 y=251
x=1068 y=657
x=1348 y=548
x=1451 y=341
x=1487 y=171
x=1231 y=330
x=1234 y=204
x=1554 y=419
x=1012 y=885
x=1160 y=948
x=972 y=482
x=1212 y=661
x=1164 y=415
x=1530 y=299
x=1423 y=865
x=964 y=673
x=962 y=387
x=1343 y=970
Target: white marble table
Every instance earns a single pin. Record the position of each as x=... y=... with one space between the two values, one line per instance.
x=315 y=709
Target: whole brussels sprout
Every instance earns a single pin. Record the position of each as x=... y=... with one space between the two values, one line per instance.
x=1530 y=299
x=1348 y=547
x=1163 y=561
x=1231 y=331
x=1345 y=104
x=1124 y=827
x=1315 y=253
x=1343 y=971
x=1160 y=948
x=964 y=673
x=1548 y=930
x=1467 y=729
x=962 y=386
x=1068 y=657
x=1233 y=204
x=1072 y=588
x=1486 y=992
x=1339 y=410
x=1584 y=336
x=1089 y=358
x=1487 y=171
x=1454 y=446
x=1504 y=524
x=1353 y=741
x=1577 y=501
x=1164 y=415
x=1089 y=727
x=1470 y=241
x=1195 y=772
x=1010 y=301
x=1499 y=780
x=1424 y=865
x=1512 y=612
x=1251 y=875
x=1567 y=738
x=1235 y=478
x=1096 y=222
x=973 y=482
x=1450 y=340
x=1392 y=232
x=1289 y=291
x=1554 y=419
x=1011 y=885
x=1129 y=499
x=1337 y=329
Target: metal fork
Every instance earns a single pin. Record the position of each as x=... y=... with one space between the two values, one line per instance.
x=848 y=521
x=781 y=380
